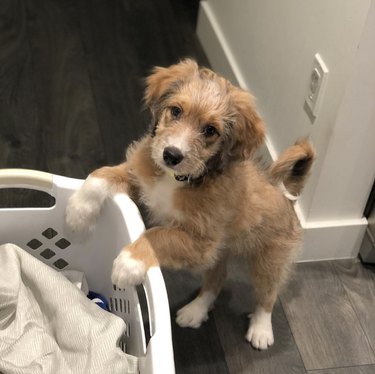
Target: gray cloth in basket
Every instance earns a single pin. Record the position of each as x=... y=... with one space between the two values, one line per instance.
x=48 y=326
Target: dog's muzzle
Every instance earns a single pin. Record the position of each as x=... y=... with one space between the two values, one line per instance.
x=172 y=156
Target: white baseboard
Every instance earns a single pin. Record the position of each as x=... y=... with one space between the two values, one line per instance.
x=332 y=240
x=323 y=240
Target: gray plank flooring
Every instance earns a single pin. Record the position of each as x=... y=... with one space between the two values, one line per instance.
x=71 y=85
x=231 y=316
x=17 y=96
x=368 y=369
x=359 y=284
x=196 y=351
x=283 y=358
x=70 y=138
x=324 y=323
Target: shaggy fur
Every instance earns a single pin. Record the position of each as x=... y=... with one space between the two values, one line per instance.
x=205 y=196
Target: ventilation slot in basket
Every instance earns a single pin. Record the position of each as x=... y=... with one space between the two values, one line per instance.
x=60 y=264
x=127 y=330
x=49 y=233
x=50 y=247
x=34 y=244
x=62 y=243
x=122 y=345
x=119 y=305
x=47 y=254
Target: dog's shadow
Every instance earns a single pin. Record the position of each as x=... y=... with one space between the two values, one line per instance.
x=203 y=348
x=195 y=350
x=222 y=337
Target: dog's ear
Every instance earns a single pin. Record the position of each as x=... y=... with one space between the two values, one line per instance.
x=162 y=80
x=247 y=129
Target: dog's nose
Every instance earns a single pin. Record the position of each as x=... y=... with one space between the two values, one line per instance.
x=172 y=156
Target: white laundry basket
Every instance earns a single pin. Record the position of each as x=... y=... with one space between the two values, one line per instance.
x=42 y=232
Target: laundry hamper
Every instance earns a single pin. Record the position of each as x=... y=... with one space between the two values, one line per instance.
x=42 y=232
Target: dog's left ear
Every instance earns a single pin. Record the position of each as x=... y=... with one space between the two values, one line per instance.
x=248 y=131
x=162 y=79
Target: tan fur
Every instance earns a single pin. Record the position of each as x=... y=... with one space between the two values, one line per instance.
x=285 y=170
x=229 y=205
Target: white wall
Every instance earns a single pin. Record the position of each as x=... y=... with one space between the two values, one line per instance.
x=349 y=164
x=268 y=47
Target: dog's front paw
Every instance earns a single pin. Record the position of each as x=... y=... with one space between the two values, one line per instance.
x=260 y=333
x=81 y=213
x=193 y=314
x=127 y=271
x=85 y=204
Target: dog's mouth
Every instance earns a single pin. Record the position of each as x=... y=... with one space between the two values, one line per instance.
x=180 y=162
x=179 y=165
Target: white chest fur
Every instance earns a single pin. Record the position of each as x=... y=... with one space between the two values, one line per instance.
x=159 y=198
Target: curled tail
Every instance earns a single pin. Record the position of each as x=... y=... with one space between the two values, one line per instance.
x=293 y=166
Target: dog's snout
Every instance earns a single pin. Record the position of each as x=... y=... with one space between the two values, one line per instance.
x=172 y=156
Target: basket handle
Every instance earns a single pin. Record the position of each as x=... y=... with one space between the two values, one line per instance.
x=160 y=344
x=26 y=178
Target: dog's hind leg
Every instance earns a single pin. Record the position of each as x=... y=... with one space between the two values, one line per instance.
x=196 y=312
x=260 y=332
x=267 y=275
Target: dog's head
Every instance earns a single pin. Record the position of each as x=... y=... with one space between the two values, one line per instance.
x=201 y=122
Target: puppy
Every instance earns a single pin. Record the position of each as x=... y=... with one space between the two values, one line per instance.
x=205 y=196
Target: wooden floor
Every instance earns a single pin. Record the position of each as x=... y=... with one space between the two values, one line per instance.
x=71 y=83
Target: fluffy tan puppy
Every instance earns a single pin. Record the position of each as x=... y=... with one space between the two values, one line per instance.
x=206 y=197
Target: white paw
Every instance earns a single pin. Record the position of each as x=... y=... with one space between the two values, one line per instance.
x=81 y=213
x=85 y=204
x=127 y=271
x=260 y=333
x=195 y=313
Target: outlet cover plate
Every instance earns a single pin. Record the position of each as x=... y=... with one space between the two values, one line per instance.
x=317 y=85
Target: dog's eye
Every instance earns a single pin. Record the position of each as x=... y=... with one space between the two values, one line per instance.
x=209 y=130
x=176 y=112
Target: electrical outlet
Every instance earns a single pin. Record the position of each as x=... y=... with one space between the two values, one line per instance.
x=317 y=85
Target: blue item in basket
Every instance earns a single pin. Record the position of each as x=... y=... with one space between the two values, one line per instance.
x=98 y=299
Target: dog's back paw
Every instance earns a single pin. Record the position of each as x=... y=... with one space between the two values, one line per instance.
x=196 y=312
x=260 y=333
x=191 y=315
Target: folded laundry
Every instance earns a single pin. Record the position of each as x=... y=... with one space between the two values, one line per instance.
x=47 y=325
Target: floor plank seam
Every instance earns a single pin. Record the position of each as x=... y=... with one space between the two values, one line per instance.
x=221 y=345
x=291 y=331
x=364 y=330
x=340 y=367
x=356 y=314
x=89 y=74
x=43 y=164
